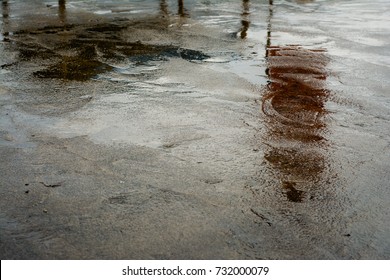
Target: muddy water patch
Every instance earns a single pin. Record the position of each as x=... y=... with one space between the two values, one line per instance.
x=82 y=52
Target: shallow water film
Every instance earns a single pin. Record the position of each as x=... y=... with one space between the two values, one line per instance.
x=207 y=129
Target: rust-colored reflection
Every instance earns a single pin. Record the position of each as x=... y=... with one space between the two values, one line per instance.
x=295 y=106
x=296 y=95
x=245 y=19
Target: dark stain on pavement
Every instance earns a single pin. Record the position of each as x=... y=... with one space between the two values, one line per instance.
x=83 y=52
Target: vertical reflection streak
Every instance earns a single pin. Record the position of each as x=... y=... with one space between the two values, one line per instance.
x=181 y=10
x=62 y=10
x=245 y=18
x=5 y=16
x=164 y=8
x=294 y=104
x=269 y=27
x=164 y=11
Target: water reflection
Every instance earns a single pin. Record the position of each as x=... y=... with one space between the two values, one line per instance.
x=295 y=106
x=245 y=18
x=5 y=14
x=90 y=49
x=181 y=10
x=164 y=8
x=269 y=27
x=62 y=10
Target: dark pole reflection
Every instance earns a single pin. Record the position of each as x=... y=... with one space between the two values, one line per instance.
x=294 y=104
x=181 y=10
x=62 y=10
x=245 y=19
x=181 y=7
x=270 y=14
x=5 y=14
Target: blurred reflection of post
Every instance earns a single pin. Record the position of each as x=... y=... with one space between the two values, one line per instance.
x=181 y=7
x=245 y=19
x=62 y=10
x=63 y=20
x=294 y=104
x=270 y=14
x=164 y=8
x=5 y=19
x=164 y=12
x=181 y=10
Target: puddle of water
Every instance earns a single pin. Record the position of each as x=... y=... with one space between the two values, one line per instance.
x=93 y=48
x=84 y=47
x=74 y=68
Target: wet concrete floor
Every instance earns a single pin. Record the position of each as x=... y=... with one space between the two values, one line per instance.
x=194 y=129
